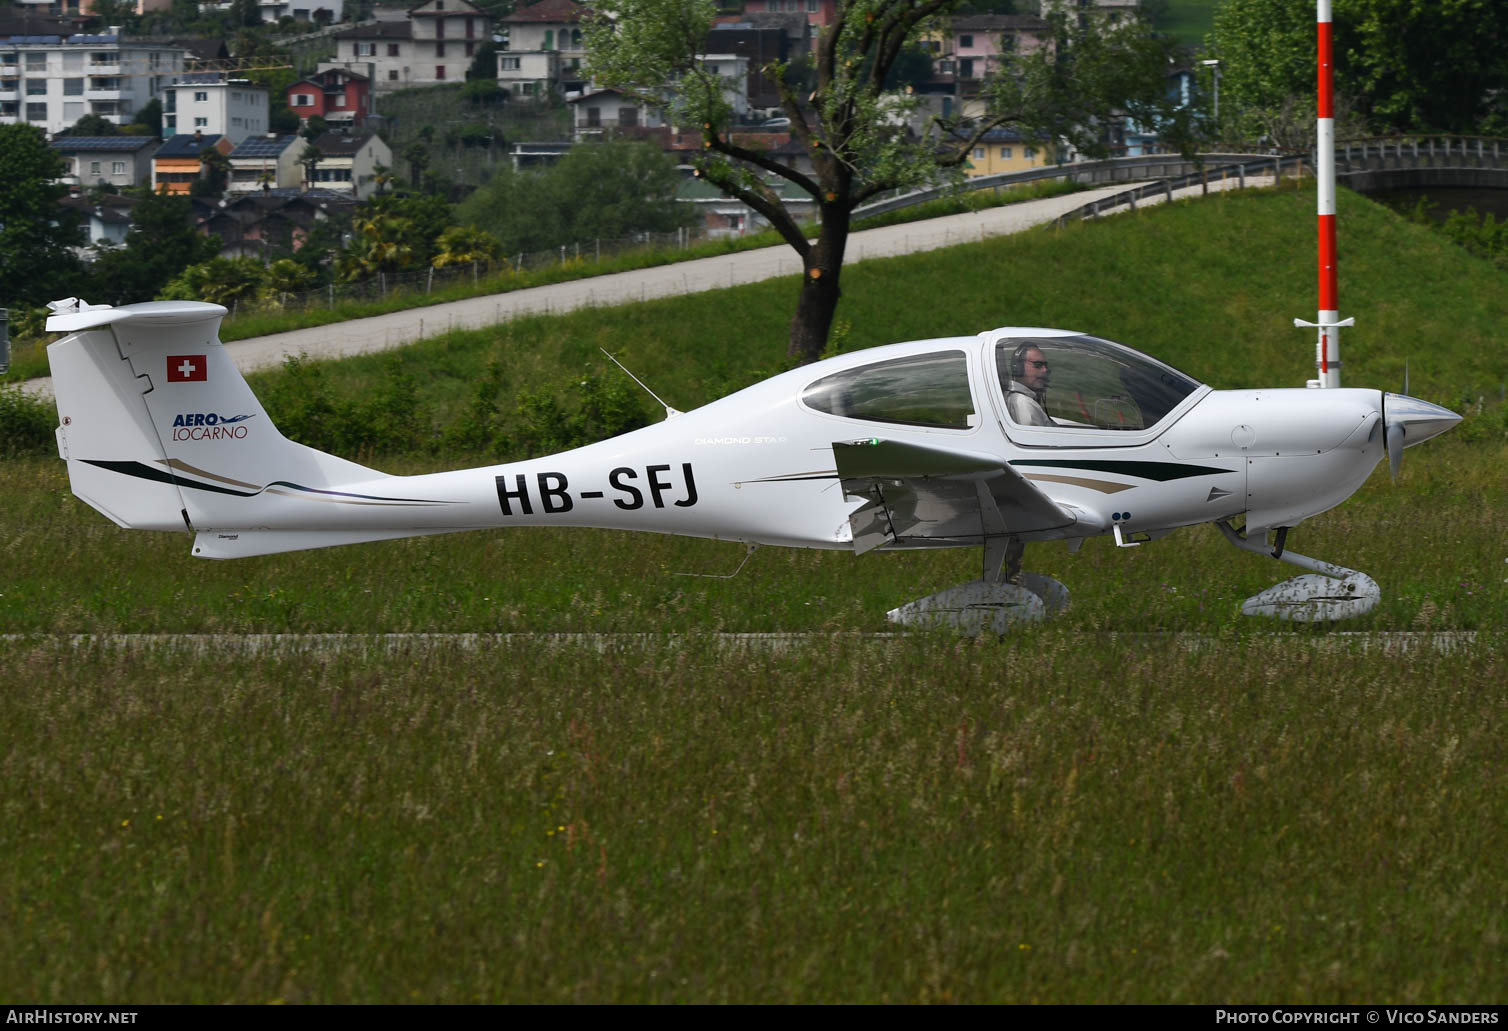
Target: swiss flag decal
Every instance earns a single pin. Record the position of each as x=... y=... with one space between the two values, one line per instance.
x=187 y=368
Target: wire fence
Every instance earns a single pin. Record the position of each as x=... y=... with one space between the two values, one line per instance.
x=468 y=277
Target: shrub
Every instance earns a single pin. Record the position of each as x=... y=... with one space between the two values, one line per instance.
x=27 y=423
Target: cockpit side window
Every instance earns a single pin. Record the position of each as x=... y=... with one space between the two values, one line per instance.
x=920 y=390
x=1087 y=383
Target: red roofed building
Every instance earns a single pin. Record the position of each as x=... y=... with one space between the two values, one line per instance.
x=338 y=95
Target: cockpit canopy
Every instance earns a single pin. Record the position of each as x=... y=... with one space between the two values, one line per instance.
x=1047 y=381
x=1087 y=382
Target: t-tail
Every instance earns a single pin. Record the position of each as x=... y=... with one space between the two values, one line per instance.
x=161 y=432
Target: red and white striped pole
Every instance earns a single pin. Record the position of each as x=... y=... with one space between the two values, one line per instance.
x=1327 y=349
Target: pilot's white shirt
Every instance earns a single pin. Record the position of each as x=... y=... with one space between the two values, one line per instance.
x=1023 y=407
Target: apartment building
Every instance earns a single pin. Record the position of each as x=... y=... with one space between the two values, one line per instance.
x=52 y=81
x=434 y=44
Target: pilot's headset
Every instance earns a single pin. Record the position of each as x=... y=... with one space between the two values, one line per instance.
x=1018 y=364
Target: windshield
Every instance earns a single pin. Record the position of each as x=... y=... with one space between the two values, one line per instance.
x=1086 y=382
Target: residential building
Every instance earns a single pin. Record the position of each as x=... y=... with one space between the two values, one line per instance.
x=733 y=69
x=349 y=163
x=614 y=111
x=86 y=8
x=342 y=97
x=1108 y=12
x=209 y=103
x=1006 y=150
x=978 y=44
x=52 y=81
x=105 y=221
x=118 y=161
x=543 y=48
x=721 y=215
x=760 y=45
x=266 y=223
x=261 y=163
x=178 y=161
x=818 y=12
x=327 y=11
x=435 y=44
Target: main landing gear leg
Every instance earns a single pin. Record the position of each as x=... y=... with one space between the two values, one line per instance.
x=1001 y=597
x=1327 y=593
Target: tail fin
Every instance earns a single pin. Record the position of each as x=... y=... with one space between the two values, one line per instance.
x=150 y=405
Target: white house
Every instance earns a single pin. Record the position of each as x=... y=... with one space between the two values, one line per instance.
x=207 y=102
x=543 y=49
x=266 y=162
x=117 y=161
x=612 y=110
x=435 y=44
x=52 y=81
x=349 y=163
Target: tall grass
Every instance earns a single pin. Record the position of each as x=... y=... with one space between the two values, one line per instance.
x=1045 y=818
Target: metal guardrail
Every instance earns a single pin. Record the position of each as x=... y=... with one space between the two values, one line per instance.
x=1294 y=164
x=1351 y=156
x=1110 y=170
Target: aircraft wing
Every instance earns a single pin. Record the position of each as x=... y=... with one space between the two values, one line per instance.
x=916 y=491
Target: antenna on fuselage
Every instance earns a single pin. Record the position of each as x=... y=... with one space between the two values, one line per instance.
x=669 y=411
x=1329 y=323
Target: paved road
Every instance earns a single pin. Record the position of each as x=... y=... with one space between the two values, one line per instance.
x=381 y=332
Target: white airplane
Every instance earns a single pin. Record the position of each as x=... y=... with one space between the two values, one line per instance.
x=993 y=441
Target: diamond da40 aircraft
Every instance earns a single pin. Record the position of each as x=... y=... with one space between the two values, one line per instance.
x=993 y=441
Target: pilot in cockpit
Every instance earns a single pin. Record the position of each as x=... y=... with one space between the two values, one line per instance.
x=1027 y=391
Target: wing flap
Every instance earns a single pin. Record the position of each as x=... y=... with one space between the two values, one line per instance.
x=923 y=492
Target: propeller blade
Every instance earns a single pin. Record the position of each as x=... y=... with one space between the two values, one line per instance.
x=1410 y=421
x=1394 y=441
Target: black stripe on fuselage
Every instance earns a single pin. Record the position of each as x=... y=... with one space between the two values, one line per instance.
x=1161 y=471
x=146 y=472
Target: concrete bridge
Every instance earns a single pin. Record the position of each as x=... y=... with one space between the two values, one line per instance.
x=1400 y=162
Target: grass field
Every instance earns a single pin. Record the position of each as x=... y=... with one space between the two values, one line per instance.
x=1150 y=799
x=1047 y=818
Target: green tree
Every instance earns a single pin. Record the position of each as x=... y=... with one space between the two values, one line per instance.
x=463 y=245
x=425 y=217
x=851 y=125
x=162 y=242
x=215 y=175
x=314 y=127
x=597 y=191
x=37 y=264
x=286 y=276
x=380 y=244
x=226 y=281
x=93 y=125
x=1400 y=65
x=149 y=118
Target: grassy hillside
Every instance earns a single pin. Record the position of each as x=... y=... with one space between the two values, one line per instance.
x=1211 y=286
